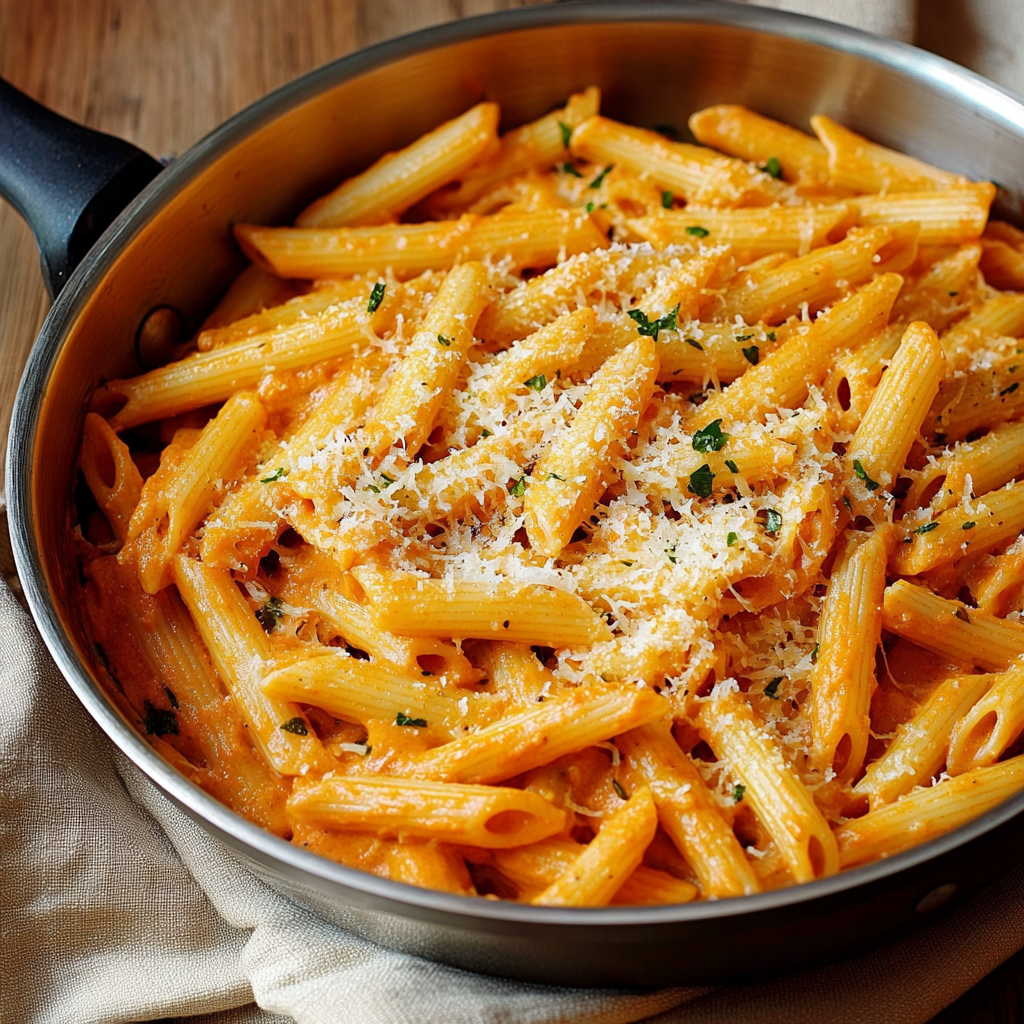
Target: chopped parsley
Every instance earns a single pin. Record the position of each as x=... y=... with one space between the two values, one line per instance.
x=279 y=474
x=652 y=328
x=862 y=474
x=596 y=183
x=710 y=438
x=416 y=723
x=846 y=503
x=771 y=691
x=538 y=383
x=554 y=476
x=926 y=527
x=386 y=482
x=968 y=526
x=670 y=554
x=376 y=297
x=486 y=433
x=1010 y=390
x=159 y=721
x=697 y=231
x=814 y=653
x=295 y=725
x=442 y=340
x=590 y=207
x=569 y=168
x=518 y=489
x=773 y=521
x=270 y=614
x=752 y=354
x=701 y=481
x=667 y=199
x=773 y=167
x=743 y=337
x=731 y=466
x=566 y=134
x=737 y=793
x=732 y=538
x=771 y=335
x=693 y=343
x=619 y=791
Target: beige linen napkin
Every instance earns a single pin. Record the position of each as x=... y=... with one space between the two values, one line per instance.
x=115 y=907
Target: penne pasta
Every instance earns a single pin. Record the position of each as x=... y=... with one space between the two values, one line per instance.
x=492 y=817
x=526 y=239
x=400 y=180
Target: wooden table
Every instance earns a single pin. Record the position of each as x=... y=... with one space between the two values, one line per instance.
x=162 y=73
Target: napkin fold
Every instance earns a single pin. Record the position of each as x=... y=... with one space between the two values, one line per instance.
x=115 y=907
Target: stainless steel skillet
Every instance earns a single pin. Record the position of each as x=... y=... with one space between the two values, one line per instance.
x=172 y=245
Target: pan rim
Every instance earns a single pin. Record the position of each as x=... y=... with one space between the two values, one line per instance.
x=275 y=853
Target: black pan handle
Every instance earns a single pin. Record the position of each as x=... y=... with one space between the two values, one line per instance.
x=69 y=182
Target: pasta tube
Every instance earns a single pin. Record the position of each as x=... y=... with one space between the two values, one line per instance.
x=787 y=810
x=492 y=817
x=613 y=855
x=928 y=813
x=843 y=678
x=573 y=473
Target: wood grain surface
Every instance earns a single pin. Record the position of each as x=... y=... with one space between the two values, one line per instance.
x=162 y=73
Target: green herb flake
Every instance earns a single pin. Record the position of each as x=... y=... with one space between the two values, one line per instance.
x=376 y=297
x=538 y=383
x=846 y=503
x=1010 y=390
x=386 y=481
x=554 y=476
x=652 y=328
x=619 y=791
x=486 y=433
x=968 y=526
x=670 y=554
x=710 y=438
x=569 y=168
x=518 y=489
x=697 y=231
x=771 y=335
x=752 y=354
x=566 y=133
x=814 y=654
x=693 y=343
x=442 y=340
x=743 y=337
x=596 y=183
x=279 y=474
x=862 y=474
x=415 y=723
x=731 y=538
x=773 y=522
x=270 y=614
x=159 y=721
x=771 y=691
x=773 y=167
x=590 y=207
x=731 y=466
x=667 y=198
x=627 y=564
x=926 y=527
x=701 y=481
x=737 y=793
x=953 y=294
x=295 y=725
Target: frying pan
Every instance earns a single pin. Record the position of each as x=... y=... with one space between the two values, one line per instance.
x=171 y=245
